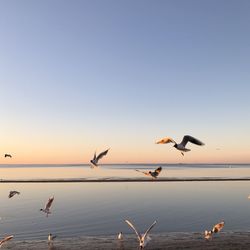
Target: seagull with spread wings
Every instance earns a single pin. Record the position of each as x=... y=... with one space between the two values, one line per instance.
x=143 y=239
x=47 y=206
x=8 y=155
x=181 y=146
x=95 y=160
x=217 y=228
x=153 y=174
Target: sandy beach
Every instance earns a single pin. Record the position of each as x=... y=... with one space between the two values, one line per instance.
x=224 y=240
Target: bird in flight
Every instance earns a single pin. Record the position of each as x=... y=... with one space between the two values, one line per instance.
x=217 y=228
x=7 y=155
x=181 y=146
x=143 y=239
x=153 y=174
x=5 y=240
x=47 y=206
x=95 y=160
x=12 y=193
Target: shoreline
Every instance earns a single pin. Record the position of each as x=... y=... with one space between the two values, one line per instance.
x=170 y=179
x=159 y=241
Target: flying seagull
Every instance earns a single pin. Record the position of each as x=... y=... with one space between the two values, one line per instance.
x=12 y=193
x=153 y=174
x=46 y=209
x=143 y=239
x=217 y=228
x=181 y=146
x=51 y=238
x=7 y=155
x=5 y=240
x=95 y=160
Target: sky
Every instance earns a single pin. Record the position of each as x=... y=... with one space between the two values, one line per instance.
x=82 y=76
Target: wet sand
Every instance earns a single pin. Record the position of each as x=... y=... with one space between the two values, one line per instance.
x=223 y=240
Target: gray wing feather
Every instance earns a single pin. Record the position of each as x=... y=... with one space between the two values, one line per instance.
x=145 y=235
x=101 y=155
x=188 y=138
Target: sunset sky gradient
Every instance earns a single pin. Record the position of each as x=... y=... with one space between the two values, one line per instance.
x=79 y=76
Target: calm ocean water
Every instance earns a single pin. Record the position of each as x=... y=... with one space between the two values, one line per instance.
x=100 y=208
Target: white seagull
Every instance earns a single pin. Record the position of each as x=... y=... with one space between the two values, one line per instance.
x=46 y=209
x=12 y=193
x=217 y=228
x=143 y=239
x=5 y=240
x=181 y=146
x=120 y=236
x=153 y=174
x=95 y=160
x=51 y=238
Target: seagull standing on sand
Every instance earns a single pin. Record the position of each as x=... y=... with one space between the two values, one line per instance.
x=46 y=209
x=95 y=160
x=5 y=240
x=143 y=239
x=12 y=193
x=217 y=228
x=7 y=155
x=181 y=146
x=51 y=238
x=153 y=174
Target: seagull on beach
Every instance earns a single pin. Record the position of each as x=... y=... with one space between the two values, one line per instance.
x=95 y=160
x=217 y=228
x=153 y=174
x=47 y=206
x=5 y=240
x=7 y=155
x=51 y=238
x=143 y=239
x=181 y=146
x=12 y=193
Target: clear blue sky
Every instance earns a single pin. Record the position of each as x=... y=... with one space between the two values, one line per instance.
x=79 y=76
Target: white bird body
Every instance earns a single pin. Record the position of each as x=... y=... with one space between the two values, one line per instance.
x=143 y=239
x=47 y=206
x=94 y=161
x=51 y=238
x=120 y=236
x=182 y=145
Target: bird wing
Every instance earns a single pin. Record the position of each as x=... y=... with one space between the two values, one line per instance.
x=53 y=237
x=165 y=140
x=217 y=228
x=49 y=203
x=142 y=172
x=188 y=138
x=148 y=230
x=158 y=170
x=101 y=155
x=6 y=239
x=131 y=225
x=94 y=157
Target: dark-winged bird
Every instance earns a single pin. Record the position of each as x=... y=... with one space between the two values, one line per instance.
x=153 y=174
x=12 y=193
x=47 y=206
x=7 y=155
x=217 y=228
x=181 y=146
x=95 y=160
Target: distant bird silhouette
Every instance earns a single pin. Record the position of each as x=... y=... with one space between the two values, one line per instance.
x=95 y=160
x=153 y=174
x=46 y=209
x=5 y=240
x=12 y=193
x=181 y=146
x=51 y=238
x=7 y=155
x=217 y=228
x=143 y=239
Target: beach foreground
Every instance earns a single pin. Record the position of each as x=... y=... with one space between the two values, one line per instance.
x=224 y=240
